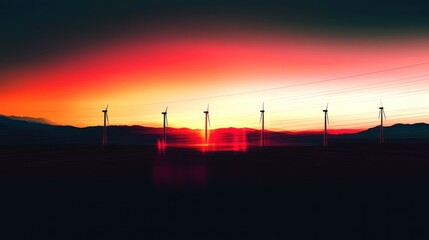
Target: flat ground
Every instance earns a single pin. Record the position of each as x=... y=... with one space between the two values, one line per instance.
x=135 y=192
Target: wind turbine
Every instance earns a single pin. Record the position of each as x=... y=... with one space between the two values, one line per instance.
x=207 y=117
x=164 y=135
x=325 y=134
x=262 y=120
x=106 y=120
x=381 y=115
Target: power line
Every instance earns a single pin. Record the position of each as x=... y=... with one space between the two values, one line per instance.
x=340 y=92
x=297 y=85
x=332 y=93
x=355 y=89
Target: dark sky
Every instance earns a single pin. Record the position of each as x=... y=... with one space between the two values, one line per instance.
x=39 y=28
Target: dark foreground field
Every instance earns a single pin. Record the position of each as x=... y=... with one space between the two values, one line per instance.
x=134 y=192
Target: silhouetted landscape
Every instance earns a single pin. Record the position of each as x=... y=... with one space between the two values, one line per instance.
x=352 y=189
x=39 y=131
x=220 y=119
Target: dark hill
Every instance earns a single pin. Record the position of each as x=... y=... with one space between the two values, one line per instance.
x=398 y=133
x=22 y=130
x=30 y=119
x=418 y=130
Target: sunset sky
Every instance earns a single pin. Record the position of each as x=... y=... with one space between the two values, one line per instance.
x=66 y=61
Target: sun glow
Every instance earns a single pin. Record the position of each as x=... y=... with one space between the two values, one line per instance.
x=294 y=75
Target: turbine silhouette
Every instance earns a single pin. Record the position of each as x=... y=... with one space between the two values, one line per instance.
x=165 y=125
x=262 y=120
x=381 y=115
x=207 y=118
x=325 y=133
x=106 y=121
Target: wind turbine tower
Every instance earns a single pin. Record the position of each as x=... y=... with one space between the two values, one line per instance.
x=207 y=117
x=325 y=134
x=262 y=120
x=165 y=125
x=381 y=115
x=106 y=122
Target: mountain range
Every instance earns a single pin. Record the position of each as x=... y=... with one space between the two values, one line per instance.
x=25 y=130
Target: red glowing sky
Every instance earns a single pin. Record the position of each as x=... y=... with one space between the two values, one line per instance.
x=234 y=71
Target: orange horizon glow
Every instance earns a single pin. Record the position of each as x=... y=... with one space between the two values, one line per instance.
x=139 y=78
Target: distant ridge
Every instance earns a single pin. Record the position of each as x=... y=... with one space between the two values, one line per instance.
x=400 y=130
x=25 y=130
x=30 y=119
x=417 y=133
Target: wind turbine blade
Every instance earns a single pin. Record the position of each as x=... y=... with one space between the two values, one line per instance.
x=166 y=109
x=166 y=120
x=107 y=107
x=326 y=107
x=384 y=114
x=208 y=119
x=260 y=119
x=263 y=107
x=381 y=103
x=379 y=114
x=327 y=118
x=208 y=105
x=107 y=118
